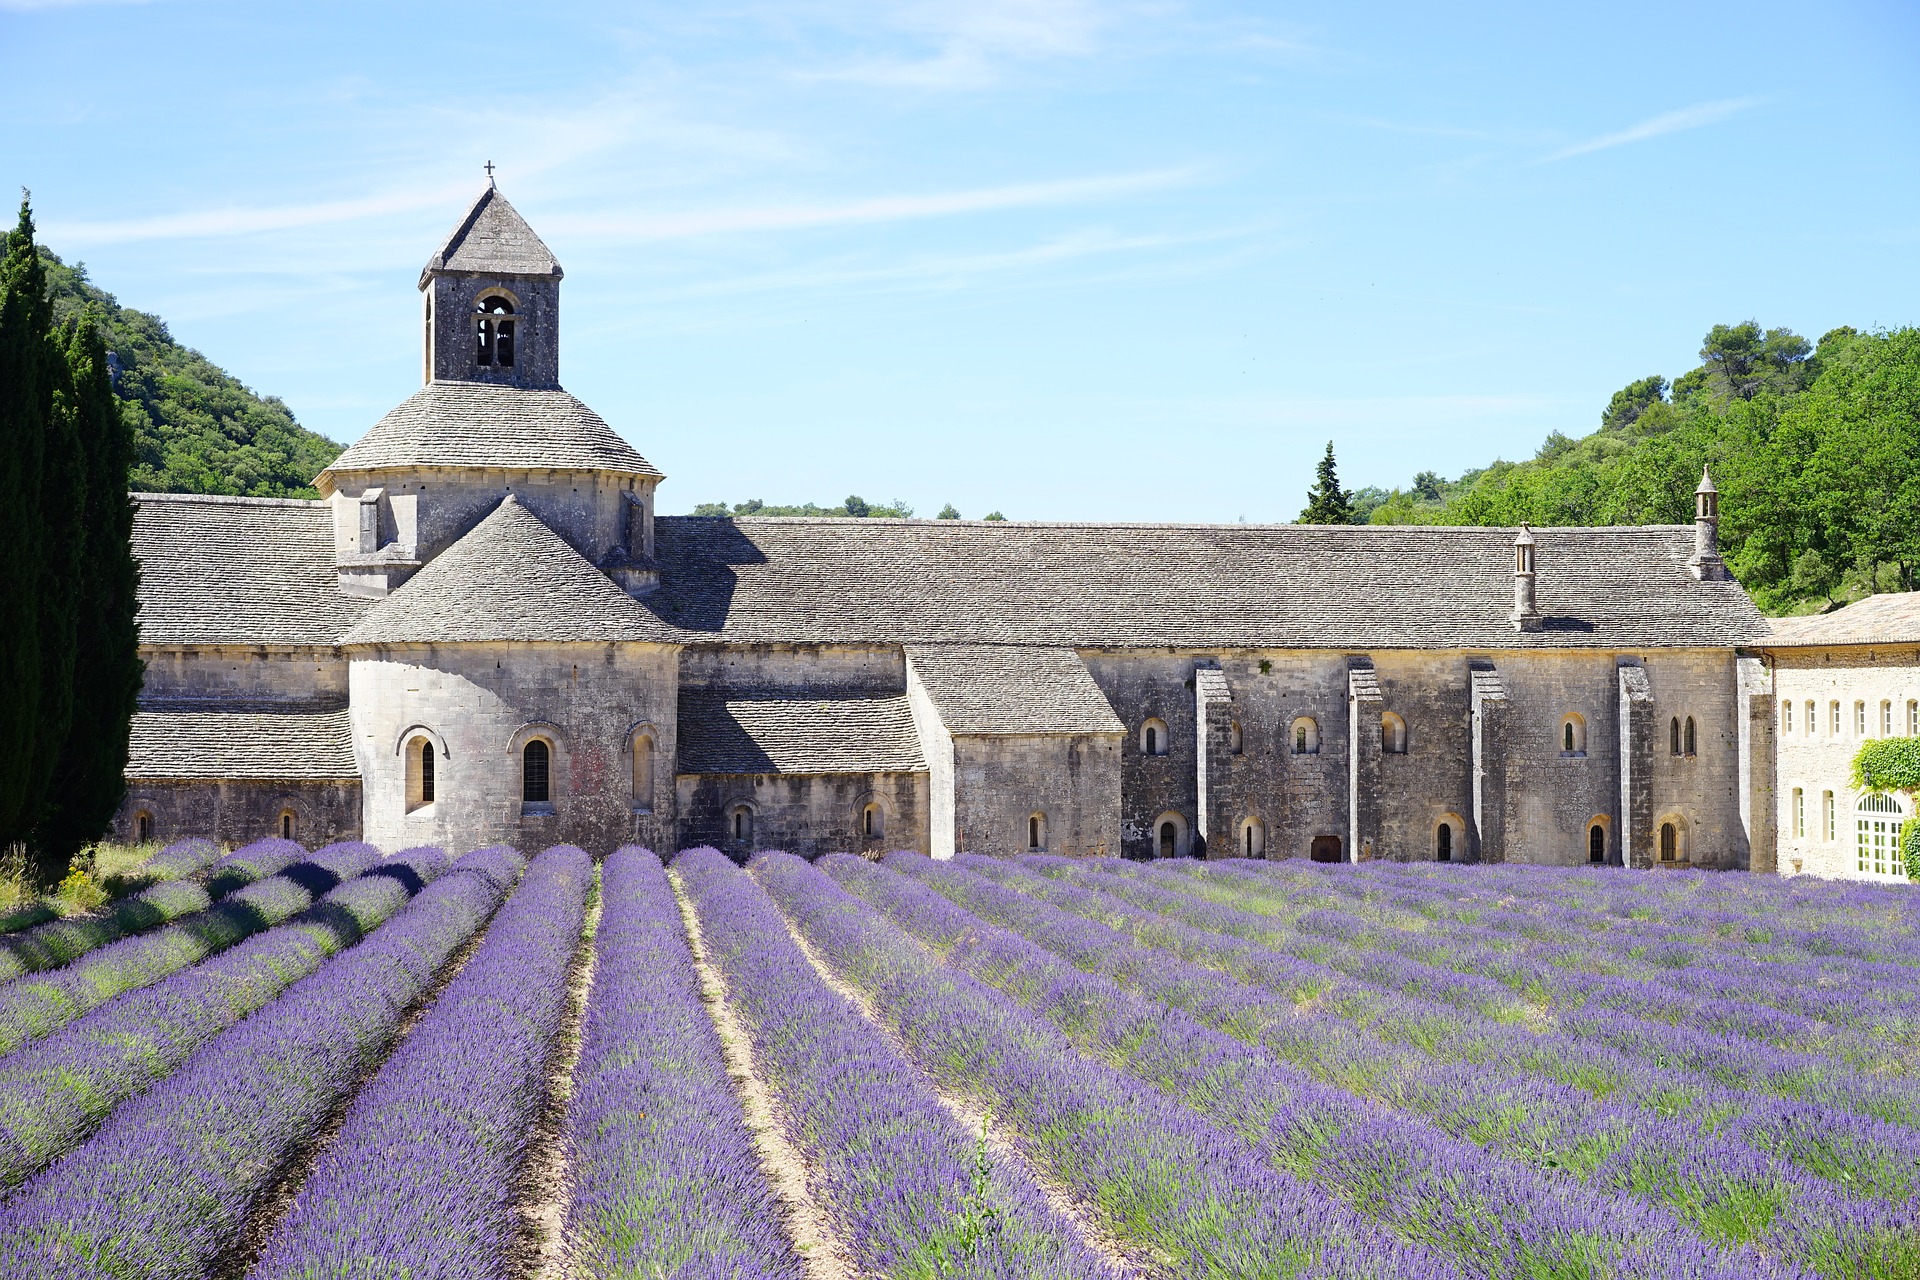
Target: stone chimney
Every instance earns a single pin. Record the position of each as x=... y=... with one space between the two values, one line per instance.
x=1525 y=615
x=1706 y=564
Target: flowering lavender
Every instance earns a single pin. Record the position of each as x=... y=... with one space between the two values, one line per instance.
x=418 y=1179
x=666 y=1182
x=31 y=1007
x=63 y=941
x=163 y=1188
x=181 y=858
x=55 y=1091
x=912 y=1193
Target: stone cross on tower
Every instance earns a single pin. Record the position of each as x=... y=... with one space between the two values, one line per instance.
x=488 y=166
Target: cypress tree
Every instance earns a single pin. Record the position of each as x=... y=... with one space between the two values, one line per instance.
x=89 y=778
x=26 y=403
x=63 y=496
x=1327 y=502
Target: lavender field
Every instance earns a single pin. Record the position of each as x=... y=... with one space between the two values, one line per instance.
x=339 y=1064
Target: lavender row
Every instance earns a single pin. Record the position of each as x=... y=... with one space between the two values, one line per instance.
x=1499 y=1219
x=910 y=1192
x=162 y=1190
x=418 y=1180
x=1606 y=1094
x=1715 y=1182
x=665 y=1179
x=1708 y=1058
x=1159 y=1177
x=31 y=1007
x=54 y=1092
x=181 y=858
x=64 y=941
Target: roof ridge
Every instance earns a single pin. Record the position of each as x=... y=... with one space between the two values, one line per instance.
x=226 y=499
x=1339 y=529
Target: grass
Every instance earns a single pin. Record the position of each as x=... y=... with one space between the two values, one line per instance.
x=100 y=874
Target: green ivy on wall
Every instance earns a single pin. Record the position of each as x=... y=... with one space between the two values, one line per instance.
x=1893 y=764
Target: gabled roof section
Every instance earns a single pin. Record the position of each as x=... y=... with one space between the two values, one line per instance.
x=513 y=579
x=991 y=689
x=1892 y=617
x=803 y=733
x=493 y=239
x=480 y=424
x=1186 y=586
x=244 y=571
x=267 y=746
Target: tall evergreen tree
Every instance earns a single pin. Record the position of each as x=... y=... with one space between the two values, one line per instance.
x=63 y=498
x=89 y=776
x=26 y=404
x=1327 y=502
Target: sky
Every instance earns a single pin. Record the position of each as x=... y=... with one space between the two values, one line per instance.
x=1066 y=259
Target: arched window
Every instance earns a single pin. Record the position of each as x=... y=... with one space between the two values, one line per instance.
x=1786 y=717
x=420 y=773
x=1036 y=831
x=1573 y=735
x=643 y=772
x=1859 y=719
x=740 y=825
x=1799 y=812
x=1673 y=737
x=1886 y=719
x=1690 y=741
x=289 y=825
x=1597 y=842
x=1443 y=842
x=1253 y=838
x=1827 y=820
x=143 y=827
x=1913 y=718
x=1669 y=842
x=1235 y=743
x=1153 y=738
x=1306 y=736
x=873 y=822
x=1393 y=734
x=493 y=331
x=1170 y=835
x=536 y=760
x=1877 y=822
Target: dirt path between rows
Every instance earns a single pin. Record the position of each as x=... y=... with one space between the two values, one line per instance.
x=1000 y=1140
x=819 y=1246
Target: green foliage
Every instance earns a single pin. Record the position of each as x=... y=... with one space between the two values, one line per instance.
x=993 y=515
x=1631 y=401
x=854 y=507
x=1910 y=847
x=1327 y=502
x=195 y=428
x=949 y=512
x=1887 y=764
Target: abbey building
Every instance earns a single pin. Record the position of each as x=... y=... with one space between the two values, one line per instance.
x=484 y=631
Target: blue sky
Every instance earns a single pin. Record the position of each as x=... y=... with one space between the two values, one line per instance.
x=1065 y=258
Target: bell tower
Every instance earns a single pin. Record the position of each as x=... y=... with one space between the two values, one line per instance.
x=492 y=301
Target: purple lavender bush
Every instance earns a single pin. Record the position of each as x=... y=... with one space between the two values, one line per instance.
x=666 y=1183
x=163 y=1189
x=911 y=1192
x=55 y=1092
x=419 y=1178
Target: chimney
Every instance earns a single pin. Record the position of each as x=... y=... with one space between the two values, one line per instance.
x=369 y=541
x=1525 y=615
x=1706 y=564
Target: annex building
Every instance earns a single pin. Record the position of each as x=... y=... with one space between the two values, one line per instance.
x=484 y=631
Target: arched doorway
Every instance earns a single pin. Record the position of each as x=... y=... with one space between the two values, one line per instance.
x=1443 y=843
x=1597 y=843
x=1169 y=839
x=1325 y=849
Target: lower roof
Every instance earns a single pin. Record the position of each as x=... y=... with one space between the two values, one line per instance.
x=263 y=746
x=1892 y=617
x=822 y=733
x=991 y=689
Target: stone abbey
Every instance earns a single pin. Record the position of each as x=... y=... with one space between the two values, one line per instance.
x=485 y=632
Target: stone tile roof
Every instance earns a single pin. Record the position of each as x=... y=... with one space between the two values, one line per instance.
x=216 y=570
x=741 y=732
x=267 y=746
x=480 y=424
x=772 y=579
x=510 y=578
x=1011 y=689
x=492 y=238
x=1892 y=617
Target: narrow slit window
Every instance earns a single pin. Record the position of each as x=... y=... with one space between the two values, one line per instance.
x=535 y=766
x=1443 y=842
x=1691 y=742
x=1597 y=843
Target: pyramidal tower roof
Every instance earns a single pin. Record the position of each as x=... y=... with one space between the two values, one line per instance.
x=493 y=239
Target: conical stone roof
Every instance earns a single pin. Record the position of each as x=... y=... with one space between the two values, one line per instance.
x=480 y=424
x=510 y=579
x=493 y=239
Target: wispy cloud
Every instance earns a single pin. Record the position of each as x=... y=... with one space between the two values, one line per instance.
x=973 y=38
x=230 y=221
x=781 y=217
x=1694 y=117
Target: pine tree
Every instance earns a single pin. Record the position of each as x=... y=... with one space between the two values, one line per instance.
x=89 y=777
x=1327 y=502
x=26 y=403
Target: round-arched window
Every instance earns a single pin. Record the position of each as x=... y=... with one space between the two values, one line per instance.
x=1305 y=736
x=1393 y=734
x=1153 y=738
x=493 y=330
x=536 y=764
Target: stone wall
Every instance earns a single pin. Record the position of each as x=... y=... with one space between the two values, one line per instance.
x=245 y=674
x=452 y=339
x=801 y=667
x=807 y=814
x=479 y=705
x=236 y=813
x=1071 y=780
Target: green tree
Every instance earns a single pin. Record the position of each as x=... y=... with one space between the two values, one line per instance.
x=89 y=779
x=949 y=512
x=1327 y=502
x=1631 y=401
x=1742 y=360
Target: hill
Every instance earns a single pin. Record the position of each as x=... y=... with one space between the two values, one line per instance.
x=1815 y=449
x=196 y=428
